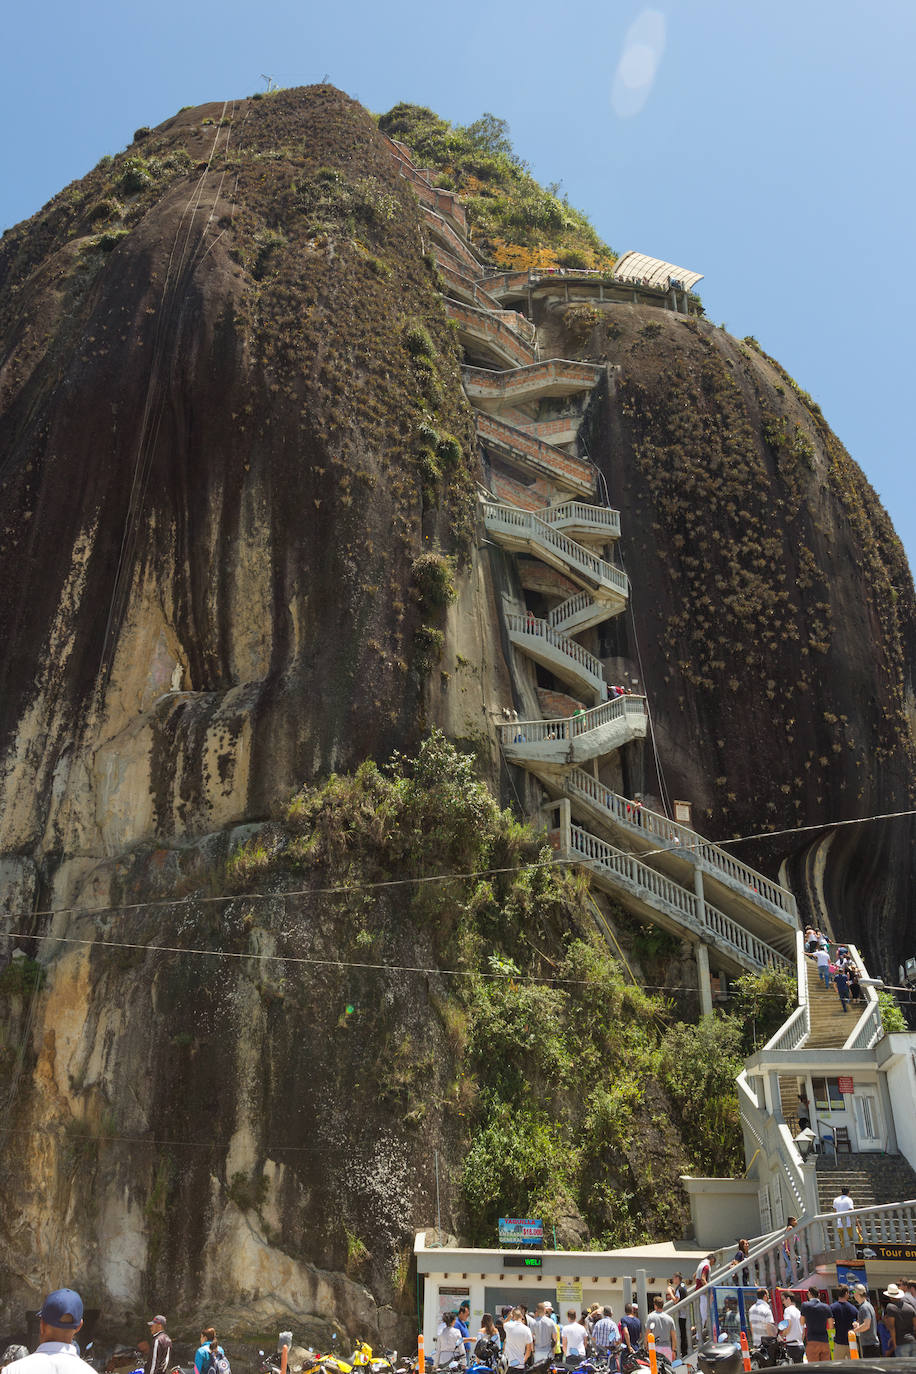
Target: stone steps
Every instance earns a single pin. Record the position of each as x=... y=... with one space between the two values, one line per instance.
x=830 y=1025
x=872 y=1179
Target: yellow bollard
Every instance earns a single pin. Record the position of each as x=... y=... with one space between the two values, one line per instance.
x=745 y=1354
x=421 y=1357
x=853 y=1346
x=650 y=1346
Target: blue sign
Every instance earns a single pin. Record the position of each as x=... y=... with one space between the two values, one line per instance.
x=851 y=1274
x=520 y=1231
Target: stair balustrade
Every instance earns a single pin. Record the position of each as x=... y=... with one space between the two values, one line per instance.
x=782 y=1258
x=674 y=836
x=868 y=1030
x=540 y=629
x=576 y=612
x=528 y=527
x=702 y=917
x=602 y=518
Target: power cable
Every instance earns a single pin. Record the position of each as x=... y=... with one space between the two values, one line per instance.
x=351 y=887
x=363 y=966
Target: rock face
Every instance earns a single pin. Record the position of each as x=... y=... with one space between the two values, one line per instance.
x=773 y=613
x=231 y=420
x=213 y=486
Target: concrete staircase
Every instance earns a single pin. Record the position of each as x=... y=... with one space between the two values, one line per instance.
x=830 y=1027
x=788 y=1096
x=872 y=1180
x=546 y=511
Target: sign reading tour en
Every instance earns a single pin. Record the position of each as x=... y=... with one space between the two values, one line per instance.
x=520 y=1231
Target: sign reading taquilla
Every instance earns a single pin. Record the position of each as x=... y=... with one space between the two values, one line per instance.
x=520 y=1231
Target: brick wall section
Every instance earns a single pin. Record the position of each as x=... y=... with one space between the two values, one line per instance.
x=455 y=244
x=577 y=376
x=523 y=445
x=480 y=324
x=505 y=489
x=556 y=705
x=536 y=576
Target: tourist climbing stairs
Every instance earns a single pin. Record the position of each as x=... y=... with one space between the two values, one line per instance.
x=872 y=1179
x=830 y=1026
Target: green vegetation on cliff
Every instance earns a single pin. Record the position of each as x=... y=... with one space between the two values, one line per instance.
x=573 y=1094
x=516 y=222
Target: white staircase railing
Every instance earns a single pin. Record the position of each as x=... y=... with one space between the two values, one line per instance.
x=601 y=518
x=571 y=727
x=868 y=1029
x=540 y=629
x=526 y=526
x=783 y=1258
x=671 y=835
x=795 y=1030
x=700 y=916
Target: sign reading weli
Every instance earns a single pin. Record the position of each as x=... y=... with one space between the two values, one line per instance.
x=520 y=1231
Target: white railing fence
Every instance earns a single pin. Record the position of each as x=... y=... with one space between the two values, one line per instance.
x=782 y=1258
x=513 y=519
x=793 y=1033
x=572 y=727
x=541 y=629
x=868 y=1029
x=662 y=892
x=671 y=835
x=576 y=512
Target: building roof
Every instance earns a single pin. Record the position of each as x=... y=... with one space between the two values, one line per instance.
x=638 y=267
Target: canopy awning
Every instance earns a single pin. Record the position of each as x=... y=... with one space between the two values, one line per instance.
x=646 y=271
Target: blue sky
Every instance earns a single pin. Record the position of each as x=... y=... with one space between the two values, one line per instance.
x=770 y=147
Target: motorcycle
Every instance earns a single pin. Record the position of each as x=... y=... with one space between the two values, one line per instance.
x=635 y=1361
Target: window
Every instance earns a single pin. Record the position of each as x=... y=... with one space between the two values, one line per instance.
x=827 y=1095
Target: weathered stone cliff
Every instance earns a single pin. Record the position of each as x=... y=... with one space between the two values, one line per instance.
x=230 y=422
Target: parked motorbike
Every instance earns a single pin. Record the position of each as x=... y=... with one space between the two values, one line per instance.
x=720 y=1357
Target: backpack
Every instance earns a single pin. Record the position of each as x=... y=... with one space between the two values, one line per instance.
x=219 y=1365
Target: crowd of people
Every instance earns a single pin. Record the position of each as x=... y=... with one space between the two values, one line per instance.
x=838 y=969
x=58 y=1352
x=542 y=1338
x=806 y=1329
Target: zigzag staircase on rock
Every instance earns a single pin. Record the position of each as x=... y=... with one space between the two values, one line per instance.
x=541 y=506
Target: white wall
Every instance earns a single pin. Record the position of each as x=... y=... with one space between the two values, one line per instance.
x=901 y=1083
x=722 y=1209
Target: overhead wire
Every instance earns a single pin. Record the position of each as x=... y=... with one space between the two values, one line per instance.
x=338 y=889
x=360 y=965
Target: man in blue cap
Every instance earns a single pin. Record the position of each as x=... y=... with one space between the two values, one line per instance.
x=60 y=1318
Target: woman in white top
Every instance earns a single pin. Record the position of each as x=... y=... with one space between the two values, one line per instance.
x=449 y=1341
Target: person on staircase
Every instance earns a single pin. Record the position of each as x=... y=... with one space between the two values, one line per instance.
x=823 y=965
x=843 y=1205
x=841 y=978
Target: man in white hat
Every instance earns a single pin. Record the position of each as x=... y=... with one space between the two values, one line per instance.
x=899 y=1318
